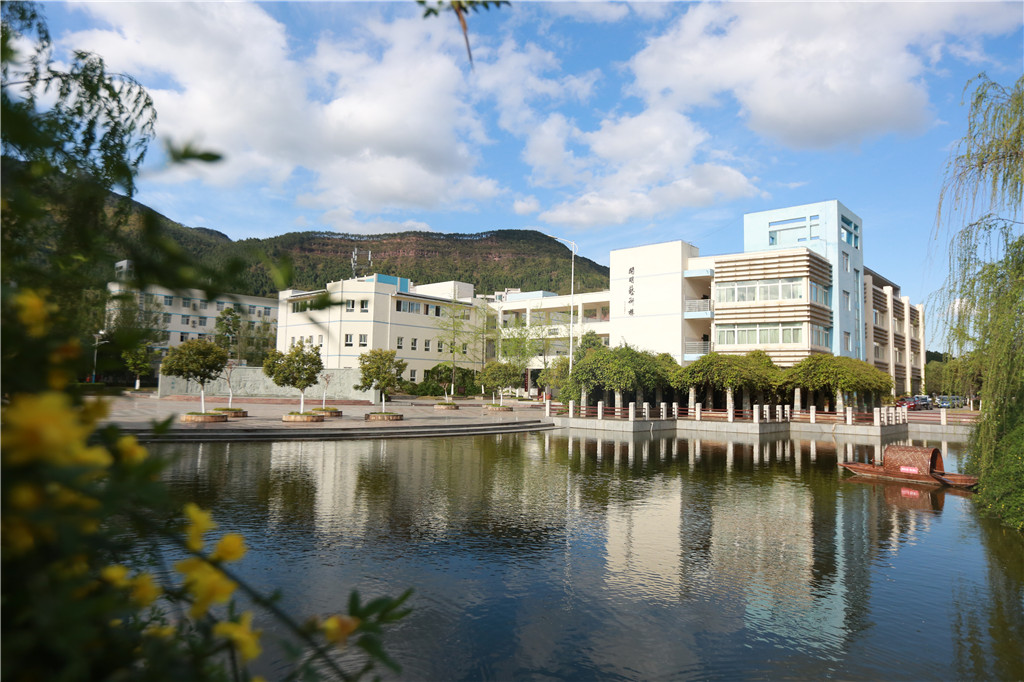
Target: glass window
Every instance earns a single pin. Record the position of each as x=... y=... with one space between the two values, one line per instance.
x=320 y=340
x=364 y=305
x=220 y=305
x=726 y=335
x=846 y=261
x=186 y=302
x=746 y=334
x=168 y=300
x=167 y=318
x=186 y=319
x=847 y=302
x=412 y=345
x=847 y=341
x=202 y=321
x=412 y=375
x=768 y=334
x=350 y=305
x=426 y=344
x=440 y=346
x=266 y=310
x=464 y=348
x=399 y=342
x=202 y=305
x=362 y=340
x=252 y=310
x=348 y=340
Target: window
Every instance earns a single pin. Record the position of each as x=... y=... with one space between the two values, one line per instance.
x=183 y=336
x=821 y=294
x=847 y=341
x=252 y=310
x=464 y=348
x=362 y=340
x=185 y=319
x=399 y=342
x=440 y=346
x=364 y=305
x=879 y=353
x=220 y=305
x=847 y=301
x=899 y=356
x=407 y=307
x=792 y=333
x=186 y=302
x=790 y=288
x=202 y=321
x=309 y=339
x=266 y=311
x=746 y=333
x=350 y=305
x=299 y=306
x=426 y=344
x=167 y=318
x=320 y=340
x=293 y=341
x=348 y=340
x=821 y=336
x=412 y=375
x=202 y=305
x=846 y=261
x=412 y=345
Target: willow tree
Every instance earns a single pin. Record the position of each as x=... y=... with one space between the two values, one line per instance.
x=983 y=297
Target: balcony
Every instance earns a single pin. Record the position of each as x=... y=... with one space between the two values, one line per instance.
x=693 y=350
x=698 y=309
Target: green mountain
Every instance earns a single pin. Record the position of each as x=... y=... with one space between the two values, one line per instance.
x=492 y=261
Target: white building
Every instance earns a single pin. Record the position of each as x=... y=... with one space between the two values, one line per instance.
x=188 y=314
x=351 y=317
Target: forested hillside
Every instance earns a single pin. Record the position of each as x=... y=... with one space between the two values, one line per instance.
x=490 y=260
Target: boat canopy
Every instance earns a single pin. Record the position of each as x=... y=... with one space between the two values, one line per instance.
x=909 y=459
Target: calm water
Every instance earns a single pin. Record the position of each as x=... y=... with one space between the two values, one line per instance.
x=540 y=557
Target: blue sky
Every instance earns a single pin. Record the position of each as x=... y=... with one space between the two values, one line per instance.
x=612 y=124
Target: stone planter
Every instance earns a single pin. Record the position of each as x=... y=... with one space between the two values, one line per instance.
x=234 y=414
x=383 y=417
x=302 y=418
x=446 y=406
x=498 y=408
x=328 y=413
x=203 y=418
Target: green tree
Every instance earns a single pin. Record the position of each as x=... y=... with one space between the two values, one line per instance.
x=518 y=345
x=553 y=377
x=381 y=370
x=299 y=368
x=497 y=376
x=981 y=200
x=197 y=360
x=247 y=341
x=139 y=361
x=457 y=330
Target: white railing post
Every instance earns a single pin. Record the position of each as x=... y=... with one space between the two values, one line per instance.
x=778 y=413
x=675 y=410
x=547 y=408
x=647 y=411
x=849 y=416
x=572 y=408
x=814 y=413
x=729 y=412
x=632 y=412
x=600 y=409
x=877 y=417
x=942 y=415
x=757 y=414
x=664 y=411
x=789 y=413
x=696 y=411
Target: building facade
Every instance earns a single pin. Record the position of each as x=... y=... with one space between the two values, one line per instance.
x=185 y=315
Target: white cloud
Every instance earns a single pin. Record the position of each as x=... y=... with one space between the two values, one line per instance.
x=597 y=12
x=383 y=122
x=812 y=74
x=526 y=205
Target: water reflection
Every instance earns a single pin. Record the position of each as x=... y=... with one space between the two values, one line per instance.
x=559 y=555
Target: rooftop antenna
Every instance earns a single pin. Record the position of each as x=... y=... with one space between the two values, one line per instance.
x=355 y=262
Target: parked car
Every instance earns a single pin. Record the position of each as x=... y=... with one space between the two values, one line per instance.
x=943 y=401
x=923 y=402
x=907 y=402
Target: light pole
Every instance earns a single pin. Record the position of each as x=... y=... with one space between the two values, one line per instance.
x=95 y=350
x=572 y=294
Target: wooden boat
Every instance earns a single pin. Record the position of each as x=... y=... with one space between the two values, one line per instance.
x=914 y=464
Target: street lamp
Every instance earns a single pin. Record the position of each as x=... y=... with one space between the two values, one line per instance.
x=572 y=294
x=95 y=349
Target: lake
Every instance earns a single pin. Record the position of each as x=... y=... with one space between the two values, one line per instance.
x=543 y=557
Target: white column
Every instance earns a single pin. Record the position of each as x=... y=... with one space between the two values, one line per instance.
x=696 y=411
x=600 y=409
x=632 y=412
x=547 y=408
x=813 y=410
x=877 y=417
x=664 y=411
x=757 y=414
x=572 y=408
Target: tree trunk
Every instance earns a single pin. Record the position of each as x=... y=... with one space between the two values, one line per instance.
x=202 y=398
x=302 y=401
x=137 y=379
x=618 y=399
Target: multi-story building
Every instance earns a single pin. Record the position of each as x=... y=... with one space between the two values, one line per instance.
x=186 y=314
x=798 y=288
x=351 y=317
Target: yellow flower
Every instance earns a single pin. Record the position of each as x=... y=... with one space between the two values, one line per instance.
x=161 y=631
x=116 y=575
x=145 y=590
x=337 y=628
x=230 y=548
x=34 y=311
x=130 y=450
x=207 y=584
x=241 y=635
x=25 y=496
x=42 y=426
x=199 y=522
